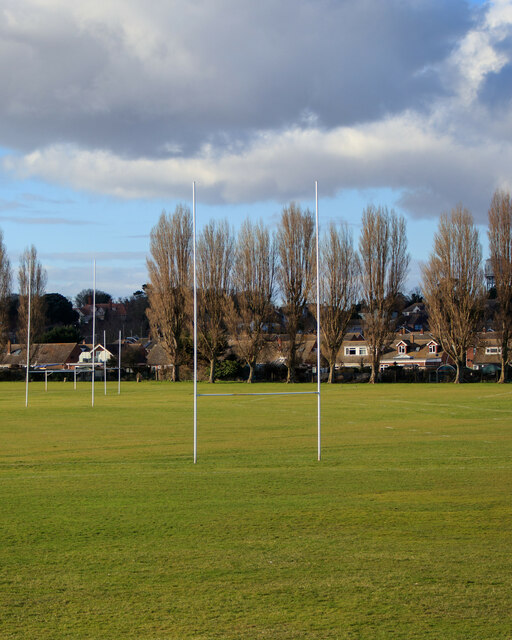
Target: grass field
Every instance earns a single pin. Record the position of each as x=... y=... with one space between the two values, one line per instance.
x=403 y=530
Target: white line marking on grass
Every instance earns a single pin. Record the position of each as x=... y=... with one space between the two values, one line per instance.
x=451 y=405
x=496 y=395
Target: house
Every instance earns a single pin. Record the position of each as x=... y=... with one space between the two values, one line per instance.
x=98 y=354
x=408 y=350
x=414 y=318
x=104 y=311
x=414 y=350
x=354 y=351
x=486 y=354
x=60 y=355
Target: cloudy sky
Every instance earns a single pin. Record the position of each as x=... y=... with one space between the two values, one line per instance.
x=110 y=109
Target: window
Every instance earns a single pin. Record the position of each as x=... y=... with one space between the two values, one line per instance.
x=362 y=351
x=402 y=349
x=350 y=351
x=432 y=348
x=490 y=351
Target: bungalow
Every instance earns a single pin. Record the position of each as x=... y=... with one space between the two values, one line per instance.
x=61 y=355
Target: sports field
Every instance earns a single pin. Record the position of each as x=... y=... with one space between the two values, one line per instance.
x=403 y=530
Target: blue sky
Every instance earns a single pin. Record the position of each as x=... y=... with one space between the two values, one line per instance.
x=110 y=110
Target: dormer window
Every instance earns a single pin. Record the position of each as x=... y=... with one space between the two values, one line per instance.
x=402 y=349
x=432 y=348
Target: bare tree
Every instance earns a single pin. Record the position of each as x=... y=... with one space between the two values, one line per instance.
x=452 y=285
x=384 y=264
x=250 y=307
x=169 y=286
x=214 y=260
x=339 y=288
x=295 y=246
x=31 y=270
x=500 y=248
x=5 y=291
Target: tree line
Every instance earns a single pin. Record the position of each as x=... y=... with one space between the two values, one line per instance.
x=53 y=317
x=258 y=283
x=245 y=280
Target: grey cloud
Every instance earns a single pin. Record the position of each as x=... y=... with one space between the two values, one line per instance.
x=214 y=72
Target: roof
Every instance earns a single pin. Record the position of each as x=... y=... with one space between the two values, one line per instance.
x=57 y=353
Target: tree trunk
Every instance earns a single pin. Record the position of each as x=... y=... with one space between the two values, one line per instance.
x=330 y=379
x=251 y=372
x=290 y=376
x=212 y=371
x=375 y=362
x=175 y=377
x=504 y=358
x=459 y=376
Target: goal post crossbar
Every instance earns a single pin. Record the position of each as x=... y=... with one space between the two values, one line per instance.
x=276 y=393
x=318 y=335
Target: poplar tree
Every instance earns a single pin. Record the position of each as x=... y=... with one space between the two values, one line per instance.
x=31 y=271
x=5 y=292
x=214 y=261
x=339 y=288
x=295 y=245
x=250 y=307
x=453 y=286
x=500 y=248
x=384 y=264
x=169 y=283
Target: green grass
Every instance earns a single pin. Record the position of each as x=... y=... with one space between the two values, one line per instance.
x=403 y=530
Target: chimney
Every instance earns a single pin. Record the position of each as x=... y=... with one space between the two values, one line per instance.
x=412 y=338
x=422 y=330
x=8 y=347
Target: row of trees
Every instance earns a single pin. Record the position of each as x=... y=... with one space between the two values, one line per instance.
x=453 y=281
x=31 y=277
x=240 y=278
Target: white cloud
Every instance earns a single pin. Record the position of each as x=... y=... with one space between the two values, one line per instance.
x=254 y=104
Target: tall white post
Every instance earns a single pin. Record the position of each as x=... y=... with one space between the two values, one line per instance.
x=119 y=365
x=93 y=329
x=30 y=267
x=74 y=378
x=105 y=360
x=46 y=380
x=195 y=315
x=318 y=336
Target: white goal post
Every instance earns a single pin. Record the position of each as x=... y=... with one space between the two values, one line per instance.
x=318 y=336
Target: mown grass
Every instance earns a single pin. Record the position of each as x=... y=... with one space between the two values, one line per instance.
x=403 y=530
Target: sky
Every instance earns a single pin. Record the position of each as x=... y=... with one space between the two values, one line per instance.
x=110 y=110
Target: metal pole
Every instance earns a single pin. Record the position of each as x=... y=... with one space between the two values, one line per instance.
x=93 y=329
x=195 y=315
x=318 y=335
x=74 y=378
x=119 y=366
x=46 y=380
x=105 y=360
x=30 y=267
